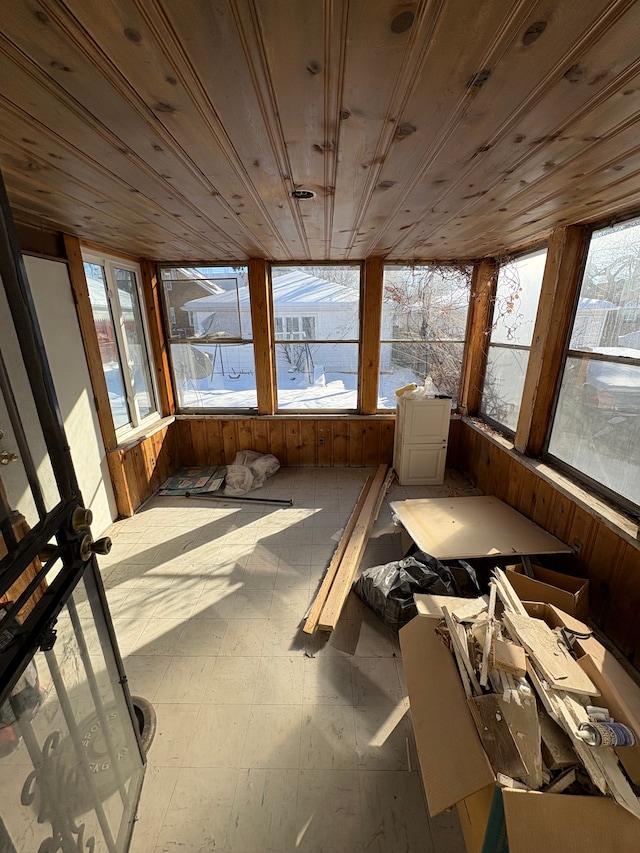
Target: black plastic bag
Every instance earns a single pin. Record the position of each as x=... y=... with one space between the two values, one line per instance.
x=389 y=589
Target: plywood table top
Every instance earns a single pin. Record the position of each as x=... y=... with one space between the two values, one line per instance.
x=482 y=526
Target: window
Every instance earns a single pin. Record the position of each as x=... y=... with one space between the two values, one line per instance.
x=316 y=311
x=424 y=319
x=514 y=317
x=122 y=338
x=208 y=316
x=596 y=428
x=294 y=328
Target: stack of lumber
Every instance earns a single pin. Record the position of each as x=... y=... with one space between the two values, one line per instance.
x=338 y=579
x=528 y=697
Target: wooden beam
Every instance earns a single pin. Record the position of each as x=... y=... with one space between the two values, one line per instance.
x=90 y=341
x=262 y=324
x=562 y=274
x=124 y=502
x=483 y=290
x=352 y=556
x=370 y=325
x=311 y=622
x=151 y=286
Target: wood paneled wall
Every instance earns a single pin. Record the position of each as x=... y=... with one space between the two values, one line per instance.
x=137 y=469
x=341 y=442
x=296 y=441
x=609 y=557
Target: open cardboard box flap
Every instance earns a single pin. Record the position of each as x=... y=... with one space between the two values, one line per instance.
x=454 y=765
x=561 y=822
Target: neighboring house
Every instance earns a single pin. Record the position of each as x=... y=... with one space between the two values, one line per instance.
x=308 y=312
x=590 y=323
x=188 y=285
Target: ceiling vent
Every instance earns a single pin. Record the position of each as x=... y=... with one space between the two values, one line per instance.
x=302 y=194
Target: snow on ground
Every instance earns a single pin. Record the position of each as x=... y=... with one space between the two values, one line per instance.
x=336 y=391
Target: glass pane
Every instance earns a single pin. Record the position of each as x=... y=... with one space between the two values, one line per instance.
x=317 y=376
x=597 y=423
x=212 y=376
x=70 y=766
x=136 y=343
x=103 y=322
x=517 y=296
x=208 y=302
x=323 y=301
x=402 y=363
x=425 y=303
x=608 y=312
x=503 y=384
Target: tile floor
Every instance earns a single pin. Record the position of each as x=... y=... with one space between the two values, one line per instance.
x=267 y=740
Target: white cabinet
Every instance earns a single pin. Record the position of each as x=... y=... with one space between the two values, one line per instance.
x=421 y=437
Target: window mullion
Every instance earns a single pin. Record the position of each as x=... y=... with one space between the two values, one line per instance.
x=123 y=347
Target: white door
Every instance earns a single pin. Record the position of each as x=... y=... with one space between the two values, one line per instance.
x=52 y=295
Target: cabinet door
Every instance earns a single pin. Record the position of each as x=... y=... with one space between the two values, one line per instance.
x=426 y=421
x=423 y=466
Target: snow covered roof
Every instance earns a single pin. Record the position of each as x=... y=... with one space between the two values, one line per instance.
x=592 y=304
x=295 y=288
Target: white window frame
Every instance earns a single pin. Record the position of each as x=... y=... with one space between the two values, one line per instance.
x=109 y=263
x=283 y=335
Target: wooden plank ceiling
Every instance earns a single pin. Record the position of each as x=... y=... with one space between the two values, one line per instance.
x=177 y=129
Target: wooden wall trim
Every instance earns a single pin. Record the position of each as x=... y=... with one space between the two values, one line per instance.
x=151 y=286
x=560 y=283
x=262 y=323
x=90 y=341
x=370 y=325
x=474 y=360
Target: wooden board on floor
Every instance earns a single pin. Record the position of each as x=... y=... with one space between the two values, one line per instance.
x=480 y=526
x=352 y=555
x=311 y=622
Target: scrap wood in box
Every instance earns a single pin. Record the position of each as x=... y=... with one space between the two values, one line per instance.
x=495 y=726
x=194 y=480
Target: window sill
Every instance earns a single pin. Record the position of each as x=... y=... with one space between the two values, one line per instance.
x=136 y=436
x=624 y=525
x=284 y=415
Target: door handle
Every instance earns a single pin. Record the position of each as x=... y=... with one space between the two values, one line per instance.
x=6 y=457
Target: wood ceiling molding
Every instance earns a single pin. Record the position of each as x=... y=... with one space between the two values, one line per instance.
x=435 y=130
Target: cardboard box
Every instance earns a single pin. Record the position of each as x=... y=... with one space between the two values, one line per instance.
x=455 y=767
x=564 y=591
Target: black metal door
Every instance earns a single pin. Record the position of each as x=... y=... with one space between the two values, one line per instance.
x=70 y=759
